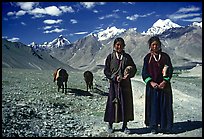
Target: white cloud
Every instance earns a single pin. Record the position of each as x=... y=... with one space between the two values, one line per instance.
x=54 y=30
x=67 y=9
x=47 y=27
x=136 y=16
x=4 y=37
x=181 y=16
x=53 y=11
x=20 y=13
x=14 y=39
x=90 y=5
x=52 y=21
x=73 y=21
x=186 y=14
x=11 y=13
x=109 y=16
x=27 y=5
x=80 y=33
x=95 y=11
x=196 y=19
x=133 y=17
x=188 y=9
x=23 y=23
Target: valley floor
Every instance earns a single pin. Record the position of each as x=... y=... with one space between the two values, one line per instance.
x=32 y=107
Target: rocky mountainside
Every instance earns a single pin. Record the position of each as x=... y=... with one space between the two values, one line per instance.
x=183 y=44
x=18 y=55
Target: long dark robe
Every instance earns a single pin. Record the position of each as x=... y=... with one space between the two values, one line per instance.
x=122 y=89
x=158 y=102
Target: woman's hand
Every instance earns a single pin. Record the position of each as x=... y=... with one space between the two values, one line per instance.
x=154 y=85
x=162 y=85
x=119 y=78
x=125 y=76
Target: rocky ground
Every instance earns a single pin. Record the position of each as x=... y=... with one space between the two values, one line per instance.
x=32 y=107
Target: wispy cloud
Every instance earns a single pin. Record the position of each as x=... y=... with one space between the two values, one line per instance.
x=132 y=17
x=56 y=30
x=188 y=9
x=68 y=9
x=14 y=39
x=73 y=21
x=52 y=21
x=187 y=14
x=47 y=27
x=196 y=19
x=136 y=16
x=90 y=5
x=23 y=23
x=109 y=16
x=80 y=33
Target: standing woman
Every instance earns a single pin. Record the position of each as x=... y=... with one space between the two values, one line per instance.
x=156 y=73
x=119 y=106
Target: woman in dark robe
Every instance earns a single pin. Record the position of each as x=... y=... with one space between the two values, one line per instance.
x=119 y=106
x=156 y=73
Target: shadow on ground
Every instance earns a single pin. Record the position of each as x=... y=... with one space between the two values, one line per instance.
x=178 y=127
x=79 y=92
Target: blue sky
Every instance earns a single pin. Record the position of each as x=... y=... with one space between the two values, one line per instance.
x=44 y=21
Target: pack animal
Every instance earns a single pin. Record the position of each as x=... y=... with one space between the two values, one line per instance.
x=61 y=76
x=88 y=77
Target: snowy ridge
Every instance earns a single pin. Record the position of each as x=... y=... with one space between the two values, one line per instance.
x=59 y=42
x=160 y=26
x=110 y=32
x=197 y=24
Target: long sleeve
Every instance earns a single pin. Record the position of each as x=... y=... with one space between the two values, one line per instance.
x=107 y=71
x=130 y=62
x=169 y=70
x=145 y=74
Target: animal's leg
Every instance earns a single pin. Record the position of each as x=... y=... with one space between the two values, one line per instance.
x=87 y=87
x=62 y=88
x=65 y=87
x=58 y=88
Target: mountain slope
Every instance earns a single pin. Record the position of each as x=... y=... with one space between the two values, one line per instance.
x=18 y=55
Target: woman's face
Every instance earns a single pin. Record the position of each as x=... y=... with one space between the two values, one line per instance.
x=118 y=47
x=155 y=46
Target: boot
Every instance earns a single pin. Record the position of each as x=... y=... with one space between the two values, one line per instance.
x=110 y=128
x=125 y=129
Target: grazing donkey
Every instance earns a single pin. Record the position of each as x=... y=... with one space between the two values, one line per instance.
x=61 y=76
x=88 y=77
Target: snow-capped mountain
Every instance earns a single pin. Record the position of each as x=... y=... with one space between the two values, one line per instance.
x=197 y=24
x=160 y=26
x=59 y=42
x=108 y=33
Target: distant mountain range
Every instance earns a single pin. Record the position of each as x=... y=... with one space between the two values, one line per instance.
x=184 y=45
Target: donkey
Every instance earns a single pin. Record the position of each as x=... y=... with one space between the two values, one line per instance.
x=88 y=77
x=61 y=76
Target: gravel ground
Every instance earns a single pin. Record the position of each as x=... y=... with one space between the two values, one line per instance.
x=32 y=107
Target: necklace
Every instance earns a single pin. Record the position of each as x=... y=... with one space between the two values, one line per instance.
x=119 y=56
x=158 y=58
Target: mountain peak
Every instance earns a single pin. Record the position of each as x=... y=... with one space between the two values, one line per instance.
x=197 y=24
x=59 y=42
x=160 y=26
x=109 y=32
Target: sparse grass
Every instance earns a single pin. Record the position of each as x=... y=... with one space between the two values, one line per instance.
x=5 y=83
